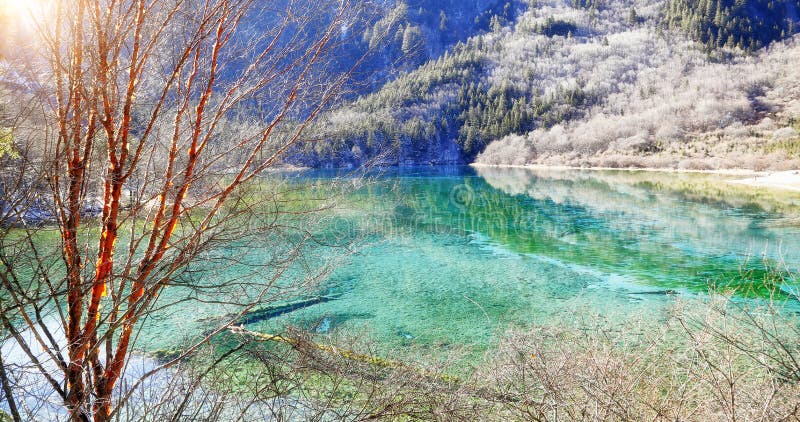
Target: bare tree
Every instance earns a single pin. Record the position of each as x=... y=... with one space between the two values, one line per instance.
x=134 y=136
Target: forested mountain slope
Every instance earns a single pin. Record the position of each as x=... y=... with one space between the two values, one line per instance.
x=591 y=82
x=392 y=37
x=409 y=33
x=733 y=23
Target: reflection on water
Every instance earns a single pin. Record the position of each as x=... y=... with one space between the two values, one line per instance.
x=457 y=255
x=676 y=230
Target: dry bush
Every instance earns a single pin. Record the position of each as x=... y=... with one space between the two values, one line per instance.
x=716 y=361
x=717 y=358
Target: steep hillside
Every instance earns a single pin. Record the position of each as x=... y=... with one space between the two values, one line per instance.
x=411 y=32
x=584 y=82
x=740 y=114
x=397 y=36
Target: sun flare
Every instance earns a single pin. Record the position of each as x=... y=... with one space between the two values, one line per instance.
x=16 y=8
x=22 y=14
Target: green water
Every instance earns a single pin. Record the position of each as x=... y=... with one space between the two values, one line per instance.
x=452 y=257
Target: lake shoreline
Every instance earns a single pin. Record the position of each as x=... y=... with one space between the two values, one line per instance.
x=784 y=180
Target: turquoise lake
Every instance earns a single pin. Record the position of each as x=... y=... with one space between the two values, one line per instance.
x=453 y=257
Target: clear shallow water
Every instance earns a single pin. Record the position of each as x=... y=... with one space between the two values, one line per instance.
x=454 y=256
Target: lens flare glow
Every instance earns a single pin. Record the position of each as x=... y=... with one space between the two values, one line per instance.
x=23 y=14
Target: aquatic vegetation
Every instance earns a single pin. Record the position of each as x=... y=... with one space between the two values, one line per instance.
x=451 y=257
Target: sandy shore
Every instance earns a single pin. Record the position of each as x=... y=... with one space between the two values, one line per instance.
x=787 y=180
x=728 y=172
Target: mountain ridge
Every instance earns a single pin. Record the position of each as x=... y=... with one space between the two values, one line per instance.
x=550 y=86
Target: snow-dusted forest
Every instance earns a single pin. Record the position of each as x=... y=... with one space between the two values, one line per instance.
x=601 y=83
x=660 y=100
